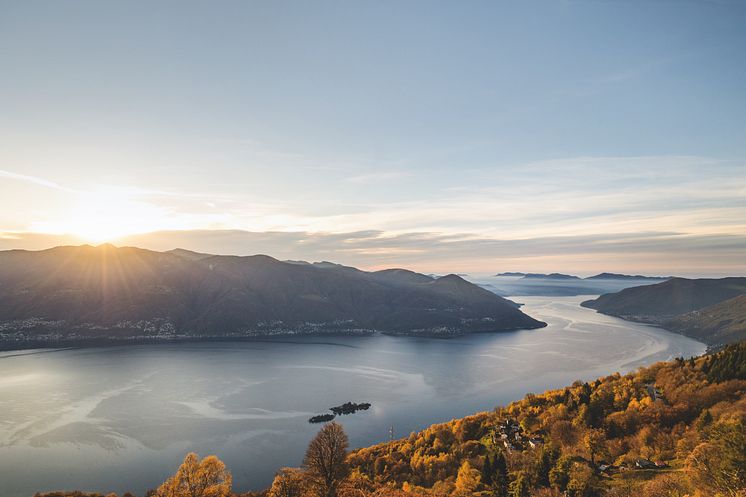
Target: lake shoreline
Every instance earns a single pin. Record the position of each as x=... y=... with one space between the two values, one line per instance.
x=13 y=345
x=249 y=400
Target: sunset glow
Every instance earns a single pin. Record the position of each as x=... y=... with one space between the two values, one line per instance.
x=478 y=148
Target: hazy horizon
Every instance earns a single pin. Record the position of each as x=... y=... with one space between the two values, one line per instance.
x=242 y=243
x=578 y=137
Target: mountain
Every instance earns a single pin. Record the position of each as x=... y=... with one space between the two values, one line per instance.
x=188 y=254
x=404 y=276
x=110 y=292
x=559 y=285
x=562 y=287
x=616 y=276
x=718 y=324
x=667 y=299
x=552 y=276
x=673 y=305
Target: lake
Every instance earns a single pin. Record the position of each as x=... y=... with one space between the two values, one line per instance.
x=122 y=418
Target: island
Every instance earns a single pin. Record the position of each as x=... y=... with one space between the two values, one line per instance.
x=341 y=410
x=350 y=408
x=321 y=418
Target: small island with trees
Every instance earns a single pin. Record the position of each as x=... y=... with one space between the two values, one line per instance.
x=344 y=409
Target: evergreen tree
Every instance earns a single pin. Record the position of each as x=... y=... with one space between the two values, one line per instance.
x=543 y=465
x=704 y=420
x=521 y=486
x=559 y=476
x=487 y=471
x=500 y=479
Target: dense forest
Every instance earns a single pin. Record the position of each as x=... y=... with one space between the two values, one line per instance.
x=671 y=429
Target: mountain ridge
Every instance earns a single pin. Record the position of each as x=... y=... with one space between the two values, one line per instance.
x=74 y=292
x=705 y=309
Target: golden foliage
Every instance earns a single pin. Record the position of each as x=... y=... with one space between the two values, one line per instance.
x=195 y=478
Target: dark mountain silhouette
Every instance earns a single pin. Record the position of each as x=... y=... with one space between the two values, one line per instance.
x=558 y=284
x=699 y=308
x=616 y=276
x=106 y=291
x=551 y=276
x=668 y=299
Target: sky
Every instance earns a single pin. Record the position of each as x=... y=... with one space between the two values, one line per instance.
x=570 y=136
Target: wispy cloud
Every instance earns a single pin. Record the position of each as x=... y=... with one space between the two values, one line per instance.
x=33 y=180
x=615 y=212
x=678 y=253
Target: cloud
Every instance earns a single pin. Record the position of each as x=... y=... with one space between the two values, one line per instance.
x=644 y=252
x=661 y=214
x=33 y=180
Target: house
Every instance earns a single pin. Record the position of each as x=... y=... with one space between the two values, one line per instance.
x=609 y=468
x=645 y=464
x=535 y=442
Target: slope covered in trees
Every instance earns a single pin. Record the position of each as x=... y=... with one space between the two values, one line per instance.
x=721 y=323
x=670 y=298
x=672 y=429
x=109 y=292
x=664 y=430
x=710 y=310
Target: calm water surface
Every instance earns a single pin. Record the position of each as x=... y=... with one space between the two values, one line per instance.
x=122 y=418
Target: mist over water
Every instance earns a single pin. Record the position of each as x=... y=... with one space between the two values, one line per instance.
x=122 y=418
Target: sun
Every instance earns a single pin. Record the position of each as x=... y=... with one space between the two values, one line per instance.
x=108 y=214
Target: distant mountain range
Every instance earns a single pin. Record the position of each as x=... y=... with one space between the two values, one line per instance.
x=616 y=276
x=561 y=285
x=108 y=292
x=710 y=310
x=552 y=276
x=601 y=276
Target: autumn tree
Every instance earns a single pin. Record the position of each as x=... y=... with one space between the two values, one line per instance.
x=288 y=482
x=468 y=479
x=720 y=463
x=594 y=441
x=581 y=481
x=195 y=478
x=325 y=460
x=564 y=433
x=667 y=485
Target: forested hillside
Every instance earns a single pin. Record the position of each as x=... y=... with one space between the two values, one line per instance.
x=710 y=310
x=672 y=429
x=721 y=323
x=106 y=292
